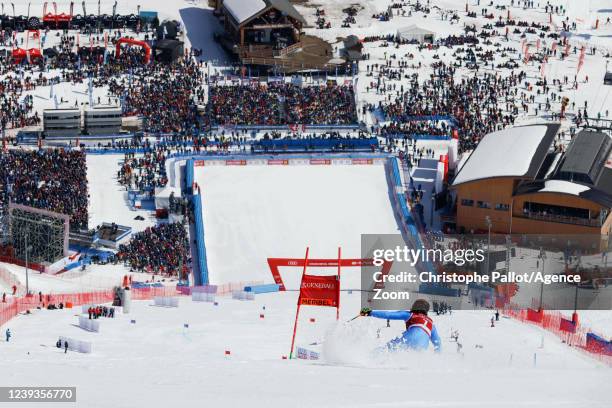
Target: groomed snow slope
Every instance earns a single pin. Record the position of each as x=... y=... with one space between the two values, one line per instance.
x=252 y=213
x=158 y=363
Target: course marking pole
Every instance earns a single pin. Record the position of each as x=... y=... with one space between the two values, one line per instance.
x=339 y=263
x=297 y=312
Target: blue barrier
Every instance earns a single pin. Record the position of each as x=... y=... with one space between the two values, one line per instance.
x=229 y=127
x=476 y=286
x=262 y=288
x=435 y=289
x=189 y=177
x=77 y=264
x=315 y=144
x=597 y=344
x=199 y=238
x=406 y=216
x=91 y=252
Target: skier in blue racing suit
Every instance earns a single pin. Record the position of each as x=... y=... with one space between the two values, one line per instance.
x=420 y=329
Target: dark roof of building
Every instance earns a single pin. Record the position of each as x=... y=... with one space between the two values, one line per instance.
x=168 y=30
x=582 y=171
x=604 y=183
x=168 y=44
x=585 y=157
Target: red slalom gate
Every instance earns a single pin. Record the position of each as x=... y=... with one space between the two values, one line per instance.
x=275 y=263
x=317 y=290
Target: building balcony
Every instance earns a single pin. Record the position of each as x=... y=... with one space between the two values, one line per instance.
x=587 y=222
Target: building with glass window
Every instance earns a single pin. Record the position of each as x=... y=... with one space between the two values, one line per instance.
x=526 y=184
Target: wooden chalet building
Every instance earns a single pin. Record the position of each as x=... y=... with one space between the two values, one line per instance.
x=268 y=23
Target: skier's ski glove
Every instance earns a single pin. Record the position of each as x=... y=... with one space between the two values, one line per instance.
x=366 y=311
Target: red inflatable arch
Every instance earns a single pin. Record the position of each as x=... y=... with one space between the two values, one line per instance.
x=139 y=43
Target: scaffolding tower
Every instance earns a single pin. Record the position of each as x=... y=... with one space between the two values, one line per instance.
x=36 y=235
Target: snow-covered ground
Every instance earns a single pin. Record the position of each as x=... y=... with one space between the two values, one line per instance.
x=255 y=212
x=252 y=213
x=157 y=362
x=107 y=198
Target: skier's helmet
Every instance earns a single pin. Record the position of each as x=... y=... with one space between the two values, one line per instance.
x=420 y=306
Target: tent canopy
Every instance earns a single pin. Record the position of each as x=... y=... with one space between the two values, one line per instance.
x=416 y=33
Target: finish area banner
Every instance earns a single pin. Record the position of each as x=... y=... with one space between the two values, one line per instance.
x=320 y=290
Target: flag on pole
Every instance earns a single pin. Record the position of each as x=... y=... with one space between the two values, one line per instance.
x=580 y=64
x=90 y=91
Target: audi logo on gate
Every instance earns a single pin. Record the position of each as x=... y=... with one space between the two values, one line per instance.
x=292 y=263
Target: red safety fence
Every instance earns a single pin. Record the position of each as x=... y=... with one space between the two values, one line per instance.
x=568 y=330
x=13 y=306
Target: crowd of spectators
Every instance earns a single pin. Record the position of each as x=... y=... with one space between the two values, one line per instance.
x=161 y=249
x=282 y=103
x=474 y=103
x=54 y=180
x=15 y=111
x=144 y=172
x=164 y=94
x=413 y=128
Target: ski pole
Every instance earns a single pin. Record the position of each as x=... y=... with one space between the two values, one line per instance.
x=348 y=321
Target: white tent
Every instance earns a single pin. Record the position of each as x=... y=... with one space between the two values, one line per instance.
x=416 y=33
